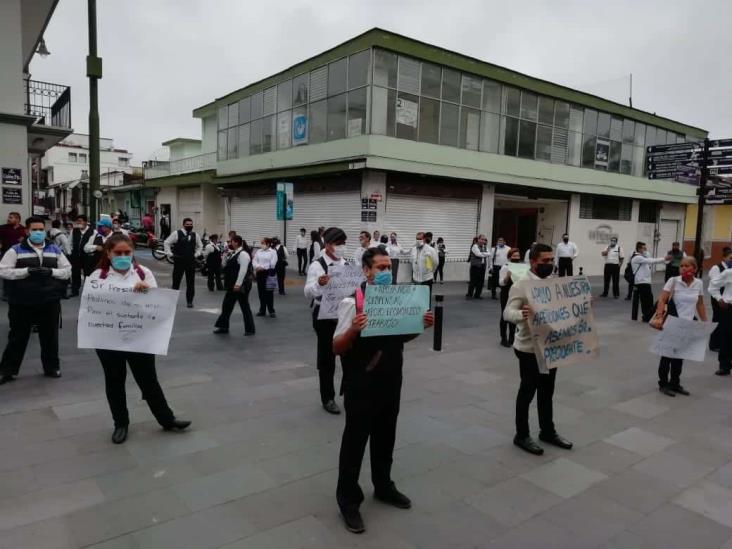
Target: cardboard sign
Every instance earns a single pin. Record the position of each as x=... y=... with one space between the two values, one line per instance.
x=562 y=324
x=395 y=310
x=119 y=319
x=344 y=279
x=681 y=338
x=519 y=271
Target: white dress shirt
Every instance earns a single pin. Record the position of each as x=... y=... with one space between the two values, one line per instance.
x=173 y=238
x=8 y=271
x=569 y=250
x=722 y=282
x=641 y=266
x=301 y=242
x=614 y=255
x=424 y=263
x=527 y=259
x=500 y=255
x=358 y=255
x=316 y=250
x=395 y=250
x=209 y=249
x=685 y=296
x=265 y=259
x=716 y=270
x=61 y=239
x=313 y=290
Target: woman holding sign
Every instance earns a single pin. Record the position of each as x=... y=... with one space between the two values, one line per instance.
x=682 y=296
x=505 y=281
x=118 y=269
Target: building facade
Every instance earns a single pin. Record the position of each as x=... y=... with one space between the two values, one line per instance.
x=391 y=134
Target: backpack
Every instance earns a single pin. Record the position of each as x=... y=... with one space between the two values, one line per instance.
x=629 y=275
x=281 y=257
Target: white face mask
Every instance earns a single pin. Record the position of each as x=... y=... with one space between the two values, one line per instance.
x=420 y=243
x=339 y=251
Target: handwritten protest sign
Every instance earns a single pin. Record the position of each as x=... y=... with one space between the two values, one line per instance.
x=519 y=271
x=562 y=324
x=682 y=338
x=344 y=279
x=119 y=319
x=395 y=310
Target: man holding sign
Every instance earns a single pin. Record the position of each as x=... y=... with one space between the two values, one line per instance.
x=372 y=382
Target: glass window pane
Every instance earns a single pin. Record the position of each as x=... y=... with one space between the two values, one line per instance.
x=245 y=110
x=561 y=114
x=546 y=110
x=284 y=130
x=223 y=117
x=255 y=137
x=492 y=96
x=269 y=101
x=638 y=161
x=574 y=149
x=614 y=160
x=510 y=142
x=449 y=123
x=451 y=86
x=269 y=133
x=284 y=96
x=232 y=142
x=528 y=105
x=511 y=101
x=560 y=142
x=469 y=128
x=603 y=125
x=357 y=112
x=429 y=119
x=489 y=126
x=408 y=80
x=589 y=128
x=431 y=80
x=650 y=136
x=616 y=129
x=640 y=135
x=385 y=68
x=221 y=145
x=243 y=140
x=358 y=69
x=383 y=111
x=527 y=139
x=257 y=106
x=544 y=143
x=576 y=118
x=680 y=139
x=626 y=159
x=337 y=117
x=319 y=83
x=588 y=151
x=233 y=115
x=318 y=120
x=300 y=87
x=337 y=76
x=628 y=131
x=471 y=91
x=660 y=136
x=407 y=112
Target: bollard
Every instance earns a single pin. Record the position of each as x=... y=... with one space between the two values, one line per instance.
x=437 y=343
x=581 y=274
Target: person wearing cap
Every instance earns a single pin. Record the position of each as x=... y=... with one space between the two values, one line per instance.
x=334 y=253
x=94 y=246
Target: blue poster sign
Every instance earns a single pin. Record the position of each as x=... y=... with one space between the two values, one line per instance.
x=285 y=202
x=300 y=129
x=395 y=309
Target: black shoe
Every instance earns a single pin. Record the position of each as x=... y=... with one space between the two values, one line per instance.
x=119 y=435
x=666 y=391
x=249 y=333
x=177 y=425
x=505 y=343
x=468 y=296
x=556 y=440
x=628 y=298
x=478 y=297
x=352 y=519
x=714 y=349
x=221 y=331
x=720 y=372
x=493 y=297
x=331 y=407
x=528 y=445
x=679 y=390
x=189 y=305
x=616 y=296
x=74 y=294
x=392 y=496
x=6 y=379
x=272 y=315
x=260 y=313
x=603 y=295
x=54 y=373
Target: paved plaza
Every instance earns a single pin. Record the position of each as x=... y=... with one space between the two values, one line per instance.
x=258 y=468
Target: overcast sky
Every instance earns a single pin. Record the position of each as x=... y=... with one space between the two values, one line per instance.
x=163 y=58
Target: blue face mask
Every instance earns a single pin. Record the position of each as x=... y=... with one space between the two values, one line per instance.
x=729 y=264
x=121 y=262
x=382 y=278
x=37 y=237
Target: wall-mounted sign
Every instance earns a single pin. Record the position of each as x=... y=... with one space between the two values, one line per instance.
x=300 y=129
x=602 y=153
x=602 y=234
x=285 y=201
x=12 y=195
x=12 y=176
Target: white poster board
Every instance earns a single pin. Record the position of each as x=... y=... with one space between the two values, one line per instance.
x=344 y=279
x=681 y=338
x=119 y=319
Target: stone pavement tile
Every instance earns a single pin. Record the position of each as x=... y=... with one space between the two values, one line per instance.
x=672 y=527
x=440 y=487
x=145 y=478
x=415 y=459
x=153 y=444
x=637 y=490
x=304 y=533
x=564 y=477
x=81 y=409
x=646 y=407
x=536 y=533
x=702 y=450
x=115 y=458
x=604 y=457
x=515 y=460
x=673 y=469
x=301 y=464
x=122 y=542
x=639 y=441
x=480 y=468
x=477 y=377
x=37 y=453
x=628 y=540
x=708 y=499
x=18 y=482
x=48 y=503
x=723 y=476
x=115 y=518
x=476 y=439
x=592 y=518
x=513 y=501
x=45 y=534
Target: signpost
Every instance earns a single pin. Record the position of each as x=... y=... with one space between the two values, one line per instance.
x=285 y=206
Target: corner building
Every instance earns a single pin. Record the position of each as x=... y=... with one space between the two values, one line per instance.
x=389 y=133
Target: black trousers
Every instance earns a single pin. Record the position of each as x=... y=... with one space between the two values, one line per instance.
x=143 y=370
x=670 y=272
x=477 y=277
x=302 y=261
x=428 y=283
x=266 y=297
x=669 y=365
x=612 y=273
x=372 y=409
x=77 y=269
x=504 y=326
x=495 y=271
x=185 y=266
x=715 y=337
x=643 y=295
x=214 y=278
x=231 y=298
x=326 y=361
x=440 y=269
x=22 y=318
x=533 y=382
x=725 y=339
x=630 y=290
x=565 y=267
x=280 y=270
x=394 y=270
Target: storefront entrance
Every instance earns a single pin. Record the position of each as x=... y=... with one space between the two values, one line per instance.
x=522 y=221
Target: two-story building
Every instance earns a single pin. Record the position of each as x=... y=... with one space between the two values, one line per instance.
x=386 y=132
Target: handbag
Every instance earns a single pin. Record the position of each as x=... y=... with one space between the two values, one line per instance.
x=659 y=318
x=271 y=281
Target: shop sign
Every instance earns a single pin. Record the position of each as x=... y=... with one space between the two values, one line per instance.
x=300 y=129
x=602 y=234
x=12 y=176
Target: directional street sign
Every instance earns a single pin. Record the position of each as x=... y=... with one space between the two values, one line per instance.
x=720 y=162
x=672 y=157
x=717 y=143
x=676 y=147
x=720 y=153
x=718 y=170
x=668 y=174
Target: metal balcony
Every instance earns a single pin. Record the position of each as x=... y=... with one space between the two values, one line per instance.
x=49 y=103
x=191 y=164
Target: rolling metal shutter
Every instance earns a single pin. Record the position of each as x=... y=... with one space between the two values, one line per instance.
x=331 y=209
x=254 y=218
x=189 y=205
x=454 y=219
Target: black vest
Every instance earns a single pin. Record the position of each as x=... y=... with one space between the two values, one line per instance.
x=213 y=259
x=79 y=240
x=231 y=271
x=185 y=247
x=35 y=290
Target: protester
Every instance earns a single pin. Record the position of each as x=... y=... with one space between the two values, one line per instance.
x=499 y=257
x=35 y=273
x=364 y=241
x=507 y=330
x=184 y=245
x=684 y=296
x=441 y=256
x=117 y=227
x=567 y=252
x=212 y=256
x=528 y=253
x=720 y=288
x=95 y=245
x=282 y=263
x=164 y=227
x=376 y=240
x=119 y=270
x=676 y=254
x=614 y=257
x=424 y=262
x=316 y=246
x=477 y=258
x=59 y=237
x=12 y=233
x=80 y=263
x=641 y=265
x=372 y=384
x=335 y=250
x=265 y=269
x=383 y=243
x=533 y=380
x=238 y=277
x=395 y=250
x=148 y=223
x=301 y=245
x=714 y=272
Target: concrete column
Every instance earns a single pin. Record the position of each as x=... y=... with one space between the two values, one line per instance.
x=375 y=182
x=485 y=215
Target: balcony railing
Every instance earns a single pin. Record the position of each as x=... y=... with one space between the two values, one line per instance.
x=158 y=168
x=49 y=103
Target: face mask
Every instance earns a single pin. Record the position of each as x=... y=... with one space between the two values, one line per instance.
x=613 y=243
x=339 y=251
x=543 y=270
x=188 y=229
x=37 y=237
x=121 y=262
x=500 y=245
x=565 y=240
x=382 y=278
x=645 y=254
x=515 y=261
x=420 y=243
x=729 y=264
x=687 y=274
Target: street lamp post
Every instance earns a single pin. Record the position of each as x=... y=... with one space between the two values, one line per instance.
x=94 y=73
